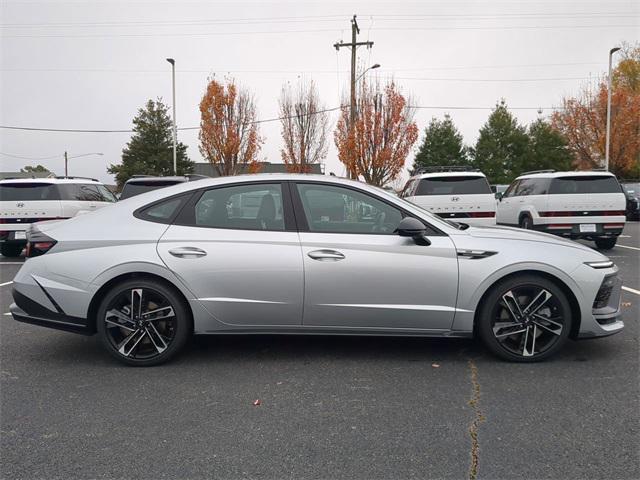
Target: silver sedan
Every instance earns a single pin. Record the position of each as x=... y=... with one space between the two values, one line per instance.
x=302 y=254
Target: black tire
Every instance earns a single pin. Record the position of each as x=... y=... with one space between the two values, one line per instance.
x=147 y=349
x=546 y=332
x=11 y=250
x=606 y=243
x=526 y=222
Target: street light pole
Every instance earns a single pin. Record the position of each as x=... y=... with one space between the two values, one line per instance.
x=67 y=157
x=175 y=128
x=608 y=135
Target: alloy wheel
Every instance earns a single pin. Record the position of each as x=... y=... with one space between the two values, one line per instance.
x=140 y=323
x=528 y=320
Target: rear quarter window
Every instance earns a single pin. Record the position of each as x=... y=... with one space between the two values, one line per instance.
x=32 y=191
x=584 y=185
x=471 y=185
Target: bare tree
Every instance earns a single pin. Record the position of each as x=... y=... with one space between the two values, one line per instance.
x=229 y=136
x=304 y=127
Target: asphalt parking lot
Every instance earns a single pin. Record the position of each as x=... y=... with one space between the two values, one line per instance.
x=330 y=407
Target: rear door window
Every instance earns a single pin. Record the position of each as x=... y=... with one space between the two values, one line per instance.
x=584 y=185
x=80 y=192
x=21 y=191
x=471 y=185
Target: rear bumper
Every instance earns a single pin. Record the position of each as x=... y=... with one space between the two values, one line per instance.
x=28 y=311
x=573 y=230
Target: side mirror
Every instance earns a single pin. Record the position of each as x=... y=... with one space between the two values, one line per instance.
x=498 y=196
x=414 y=228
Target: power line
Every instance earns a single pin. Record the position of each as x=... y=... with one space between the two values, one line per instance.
x=294 y=72
x=318 y=30
x=549 y=79
x=76 y=130
x=322 y=18
x=30 y=158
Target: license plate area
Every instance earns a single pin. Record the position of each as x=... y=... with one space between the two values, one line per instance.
x=587 y=228
x=20 y=235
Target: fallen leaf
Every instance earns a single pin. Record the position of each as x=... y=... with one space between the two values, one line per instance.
x=626 y=304
x=257 y=402
x=435 y=365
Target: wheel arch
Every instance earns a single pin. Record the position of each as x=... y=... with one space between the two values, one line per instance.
x=576 y=313
x=99 y=294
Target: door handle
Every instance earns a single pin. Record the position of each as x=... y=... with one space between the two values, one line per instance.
x=321 y=255
x=187 y=252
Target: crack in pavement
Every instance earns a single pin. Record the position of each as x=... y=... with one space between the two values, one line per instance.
x=478 y=418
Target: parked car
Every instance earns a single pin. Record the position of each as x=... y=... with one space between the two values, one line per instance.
x=588 y=205
x=148 y=273
x=28 y=200
x=459 y=194
x=498 y=190
x=632 y=194
x=145 y=183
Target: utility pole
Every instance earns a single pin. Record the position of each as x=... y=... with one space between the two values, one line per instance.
x=66 y=164
x=355 y=30
x=175 y=127
x=608 y=134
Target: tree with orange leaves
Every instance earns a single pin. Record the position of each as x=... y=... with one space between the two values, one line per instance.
x=583 y=120
x=383 y=133
x=304 y=127
x=229 y=137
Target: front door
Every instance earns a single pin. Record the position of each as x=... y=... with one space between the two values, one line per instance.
x=359 y=274
x=236 y=253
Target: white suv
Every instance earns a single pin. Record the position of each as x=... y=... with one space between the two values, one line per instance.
x=588 y=205
x=28 y=200
x=455 y=194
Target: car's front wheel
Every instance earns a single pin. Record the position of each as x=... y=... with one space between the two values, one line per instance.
x=525 y=318
x=143 y=322
x=606 y=243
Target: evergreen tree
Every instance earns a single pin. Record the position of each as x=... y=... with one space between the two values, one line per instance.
x=442 y=145
x=547 y=149
x=31 y=169
x=150 y=150
x=501 y=146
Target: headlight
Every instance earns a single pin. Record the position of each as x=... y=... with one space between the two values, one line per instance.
x=600 y=264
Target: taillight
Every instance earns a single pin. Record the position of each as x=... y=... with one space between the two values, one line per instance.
x=482 y=214
x=38 y=244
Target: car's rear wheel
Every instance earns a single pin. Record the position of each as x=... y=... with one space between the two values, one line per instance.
x=526 y=318
x=143 y=322
x=9 y=250
x=606 y=243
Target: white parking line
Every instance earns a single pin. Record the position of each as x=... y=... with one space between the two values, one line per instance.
x=627 y=246
x=11 y=263
x=627 y=289
x=8 y=313
x=6 y=283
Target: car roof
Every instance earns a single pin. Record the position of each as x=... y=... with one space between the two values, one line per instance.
x=150 y=179
x=469 y=173
x=584 y=173
x=52 y=180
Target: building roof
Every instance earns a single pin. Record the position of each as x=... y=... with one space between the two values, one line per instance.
x=267 y=167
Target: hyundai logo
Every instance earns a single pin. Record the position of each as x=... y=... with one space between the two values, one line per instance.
x=19 y=204
x=455 y=199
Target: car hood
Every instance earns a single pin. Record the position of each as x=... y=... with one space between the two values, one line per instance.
x=509 y=233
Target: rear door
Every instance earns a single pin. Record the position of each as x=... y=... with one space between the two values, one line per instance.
x=237 y=250
x=22 y=203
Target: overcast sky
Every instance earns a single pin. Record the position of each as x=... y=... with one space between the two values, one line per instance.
x=92 y=64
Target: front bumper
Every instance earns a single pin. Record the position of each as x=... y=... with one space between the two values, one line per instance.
x=605 y=314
